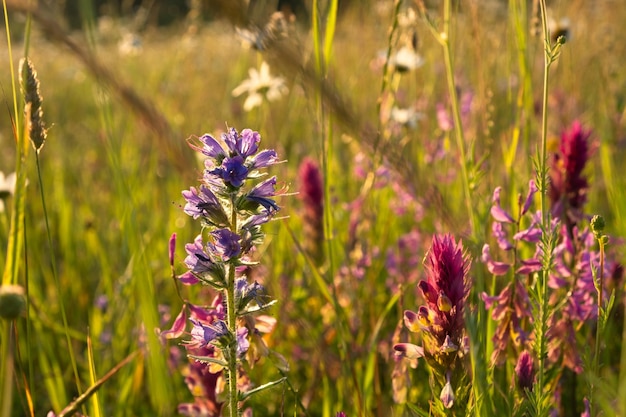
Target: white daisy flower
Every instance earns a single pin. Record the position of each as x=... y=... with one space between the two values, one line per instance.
x=259 y=84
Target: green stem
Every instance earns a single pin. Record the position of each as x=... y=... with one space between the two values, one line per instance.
x=456 y=113
x=599 y=327
x=6 y=394
x=549 y=57
x=231 y=316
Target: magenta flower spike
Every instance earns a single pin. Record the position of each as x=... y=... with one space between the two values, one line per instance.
x=441 y=322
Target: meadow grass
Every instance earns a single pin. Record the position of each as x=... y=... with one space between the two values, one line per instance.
x=103 y=196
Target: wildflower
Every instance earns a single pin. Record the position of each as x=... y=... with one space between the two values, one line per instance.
x=407 y=117
x=260 y=84
x=406 y=59
x=568 y=185
x=312 y=196
x=447 y=395
x=441 y=320
x=524 y=371
x=225 y=336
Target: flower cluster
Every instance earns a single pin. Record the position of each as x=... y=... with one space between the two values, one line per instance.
x=227 y=334
x=441 y=322
x=568 y=185
x=574 y=259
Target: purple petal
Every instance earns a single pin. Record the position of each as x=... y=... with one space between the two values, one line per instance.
x=529 y=266
x=264 y=158
x=532 y=189
x=212 y=147
x=498 y=213
x=248 y=142
x=188 y=278
x=178 y=327
x=172 y=248
x=409 y=350
x=532 y=235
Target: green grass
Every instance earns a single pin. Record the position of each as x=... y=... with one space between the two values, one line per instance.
x=112 y=180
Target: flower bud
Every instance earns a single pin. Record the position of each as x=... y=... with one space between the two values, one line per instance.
x=12 y=301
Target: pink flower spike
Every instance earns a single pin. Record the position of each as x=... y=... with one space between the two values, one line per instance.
x=408 y=350
x=498 y=213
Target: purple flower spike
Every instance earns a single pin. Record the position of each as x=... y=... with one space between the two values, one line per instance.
x=227 y=244
x=498 y=213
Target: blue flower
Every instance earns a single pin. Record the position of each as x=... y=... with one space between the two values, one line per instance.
x=261 y=193
x=233 y=171
x=226 y=244
x=205 y=204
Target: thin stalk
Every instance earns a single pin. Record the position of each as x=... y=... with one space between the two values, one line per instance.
x=456 y=113
x=7 y=369
x=550 y=55
x=231 y=316
x=57 y=282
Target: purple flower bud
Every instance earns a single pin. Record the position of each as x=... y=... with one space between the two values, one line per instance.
x=524 y=371
x=172 y=248
x=447 y=395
